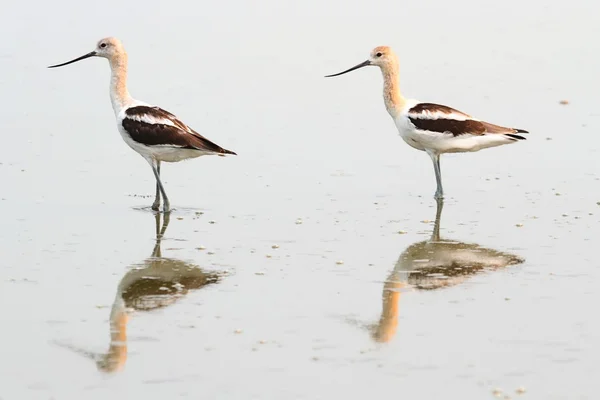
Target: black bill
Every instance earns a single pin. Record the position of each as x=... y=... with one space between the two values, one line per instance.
x=362 y=64
x=88 y=55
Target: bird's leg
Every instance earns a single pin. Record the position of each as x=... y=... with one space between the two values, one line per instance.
x=166 y=204
x=439 y=193
x=156 y=204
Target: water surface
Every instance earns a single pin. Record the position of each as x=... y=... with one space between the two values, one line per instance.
x=282 y=273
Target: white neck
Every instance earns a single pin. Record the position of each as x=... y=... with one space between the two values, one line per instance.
x=119 y=95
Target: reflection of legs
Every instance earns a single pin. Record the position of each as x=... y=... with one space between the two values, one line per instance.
x=156 y=204
x=160 y=232
x=438 y=216
x=439 y=193
x=166 y=219
x=166 y=204
x=157 y=222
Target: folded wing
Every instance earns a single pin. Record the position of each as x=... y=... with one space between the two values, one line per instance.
x=445 y=120
x=153 y=126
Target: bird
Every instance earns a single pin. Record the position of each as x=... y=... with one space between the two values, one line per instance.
x=154 y=133
x=433 y=128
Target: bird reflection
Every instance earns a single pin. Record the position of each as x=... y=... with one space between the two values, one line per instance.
x=154 y=283
x=430 y=265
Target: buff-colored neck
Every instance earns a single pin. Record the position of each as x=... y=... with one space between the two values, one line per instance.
x=119 y=95
x=394 y=101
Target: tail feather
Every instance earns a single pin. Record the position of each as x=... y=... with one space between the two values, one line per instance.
x=515 y=137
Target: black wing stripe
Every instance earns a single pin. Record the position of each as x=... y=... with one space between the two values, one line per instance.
x=158 y=134
x=453 y=126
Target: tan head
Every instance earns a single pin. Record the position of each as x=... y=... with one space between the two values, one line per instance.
x=110 y=48
x=381 y=56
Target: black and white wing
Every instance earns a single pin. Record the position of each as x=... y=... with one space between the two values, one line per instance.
x=153 y=126
x=445 y=120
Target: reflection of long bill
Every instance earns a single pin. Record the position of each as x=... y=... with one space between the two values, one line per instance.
x=154 y=283
x=434 y=264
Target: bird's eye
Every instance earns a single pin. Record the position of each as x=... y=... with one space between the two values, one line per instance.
x=103 y=45
x=378 y=54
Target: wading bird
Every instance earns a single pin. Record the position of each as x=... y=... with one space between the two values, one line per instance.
x=156 y=134
x=433 y=128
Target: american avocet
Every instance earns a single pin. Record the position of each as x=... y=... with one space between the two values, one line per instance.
x=433 y=128
x=156 y=134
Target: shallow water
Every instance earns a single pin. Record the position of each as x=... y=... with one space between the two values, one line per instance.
x=302 y=268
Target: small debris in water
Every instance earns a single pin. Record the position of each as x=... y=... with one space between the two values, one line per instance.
x=211 y=222
x=298 y=221
x=238 y=331
x=507 y=298
x=548 y=138
x=259 y=273
x=426 y=221
x=565 y=215
x=497 y=392
x=269 y=256
x=315 y=358
x=262 y=342
x=557 y=194
x=179 y=218
x=563 y=102
x=210 y=253
x=200 y=248
x=275 y=246
x=519 y=225
x=521 y=390
x=339 y=262
x=402 y=232
x=199 y=213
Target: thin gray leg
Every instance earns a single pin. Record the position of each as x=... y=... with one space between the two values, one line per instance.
x=439 y=193
x=166 y=204
x=156 y=204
